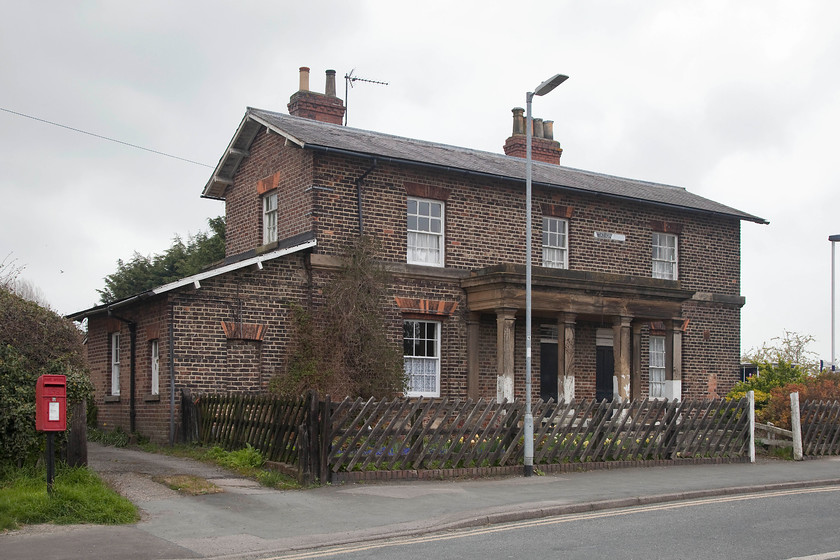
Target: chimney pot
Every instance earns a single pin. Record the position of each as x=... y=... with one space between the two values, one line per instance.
x=304 y=78
x=548 y=130
x=329 y=90
x=538 y=128
x=518 y=120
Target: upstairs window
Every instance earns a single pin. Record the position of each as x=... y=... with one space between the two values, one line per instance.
x=115 y=363
x=425 y=232
x=421 y=356
x=664 y=256
x=555 y=243
x=270 y=217
x=656 y=370
x=155 y=361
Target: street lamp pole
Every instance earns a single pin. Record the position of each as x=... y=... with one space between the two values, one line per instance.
x=541 y=89
x=833 y=239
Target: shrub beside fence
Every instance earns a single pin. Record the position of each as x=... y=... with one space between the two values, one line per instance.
x=324 y=438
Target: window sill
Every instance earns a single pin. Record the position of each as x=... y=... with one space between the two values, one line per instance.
x=112 y=398
x=151 y=398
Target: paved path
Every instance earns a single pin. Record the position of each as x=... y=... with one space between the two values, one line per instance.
x=246 y=519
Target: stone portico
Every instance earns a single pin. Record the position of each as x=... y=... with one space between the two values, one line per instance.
x=618 y=307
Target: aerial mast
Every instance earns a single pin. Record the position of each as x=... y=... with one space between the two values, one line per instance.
x=348 y=83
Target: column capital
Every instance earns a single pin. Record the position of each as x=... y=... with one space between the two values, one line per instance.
x=623 y=321
x=506 y=312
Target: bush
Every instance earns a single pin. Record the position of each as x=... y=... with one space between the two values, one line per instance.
x=770 y=376
x=822 y=387
x=33 y=341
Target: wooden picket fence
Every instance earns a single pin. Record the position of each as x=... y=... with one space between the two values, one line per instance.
x=820 y=422
x=443 y=433
x=322 y=438
x=267 y=423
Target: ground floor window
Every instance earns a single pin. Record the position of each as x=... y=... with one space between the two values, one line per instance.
x=115 y=363
x=155 y=361
x=421 y=354
x=656 y=371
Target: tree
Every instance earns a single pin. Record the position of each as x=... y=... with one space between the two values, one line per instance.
x=143 y=273
x=792 y=347
x=9 y=272
x=342 y=347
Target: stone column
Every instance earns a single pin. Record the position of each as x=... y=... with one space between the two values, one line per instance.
x=566 y=357
x=622 y=356
x=473 y=326
x=505 y=321
x=673 y=359
x=636 y=369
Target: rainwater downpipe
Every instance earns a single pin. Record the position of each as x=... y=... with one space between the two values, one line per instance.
x=172 y=374
x=359 y=182
x=132 y=330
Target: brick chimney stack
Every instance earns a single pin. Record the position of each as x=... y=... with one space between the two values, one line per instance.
x=543 y=146
x=324 y=107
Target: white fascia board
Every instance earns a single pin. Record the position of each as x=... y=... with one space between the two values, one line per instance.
x=218 y=167
x=197 y=278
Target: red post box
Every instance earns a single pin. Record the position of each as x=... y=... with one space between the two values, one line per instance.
x=51 y=403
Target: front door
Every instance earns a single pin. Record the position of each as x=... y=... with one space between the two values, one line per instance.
x=548 y=371
x=604 y=371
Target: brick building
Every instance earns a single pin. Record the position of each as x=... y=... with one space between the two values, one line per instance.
x=636 y=285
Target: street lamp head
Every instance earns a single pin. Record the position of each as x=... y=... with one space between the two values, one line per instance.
x=550 y=84
x=834 y=238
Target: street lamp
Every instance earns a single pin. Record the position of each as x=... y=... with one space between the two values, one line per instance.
x=541 y=89
x=834 y=239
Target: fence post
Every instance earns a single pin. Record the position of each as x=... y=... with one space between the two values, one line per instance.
x=326 y=427
x=796 y=426
x=751 y=399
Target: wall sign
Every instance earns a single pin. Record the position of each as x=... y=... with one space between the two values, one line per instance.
x=610 y=236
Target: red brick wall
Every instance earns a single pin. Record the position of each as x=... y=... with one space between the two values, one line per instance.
x=291 y=169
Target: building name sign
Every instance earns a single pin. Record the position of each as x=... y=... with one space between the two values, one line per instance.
x=610 y=236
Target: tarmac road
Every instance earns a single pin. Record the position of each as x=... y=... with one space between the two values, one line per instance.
x=247 y=520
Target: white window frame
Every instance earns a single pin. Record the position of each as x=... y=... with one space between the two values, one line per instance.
x=115 y=363
x=555 y=242
x=269 y=216
x=417 y=345
x=154 y=356
x=656 y=367
x=425 y=231
x=664 y=256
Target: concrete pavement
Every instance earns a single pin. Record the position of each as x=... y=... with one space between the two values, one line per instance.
x=247 y=520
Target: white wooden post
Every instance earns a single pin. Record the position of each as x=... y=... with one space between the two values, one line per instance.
x=751 y=399
x=796 y=426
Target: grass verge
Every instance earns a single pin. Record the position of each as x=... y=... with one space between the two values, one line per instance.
x=79 y=496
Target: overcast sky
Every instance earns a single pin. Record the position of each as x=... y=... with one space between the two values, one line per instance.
x=736 y=101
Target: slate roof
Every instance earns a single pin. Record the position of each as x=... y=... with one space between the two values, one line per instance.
x=311 y=134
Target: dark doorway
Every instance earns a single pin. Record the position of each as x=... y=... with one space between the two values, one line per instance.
x=548 y=371
x=604 y=371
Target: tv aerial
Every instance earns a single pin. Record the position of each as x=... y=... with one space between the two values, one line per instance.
x=348 y=83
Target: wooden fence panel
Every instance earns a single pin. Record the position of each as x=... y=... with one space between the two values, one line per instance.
x=820 y=421
x=265 y=423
